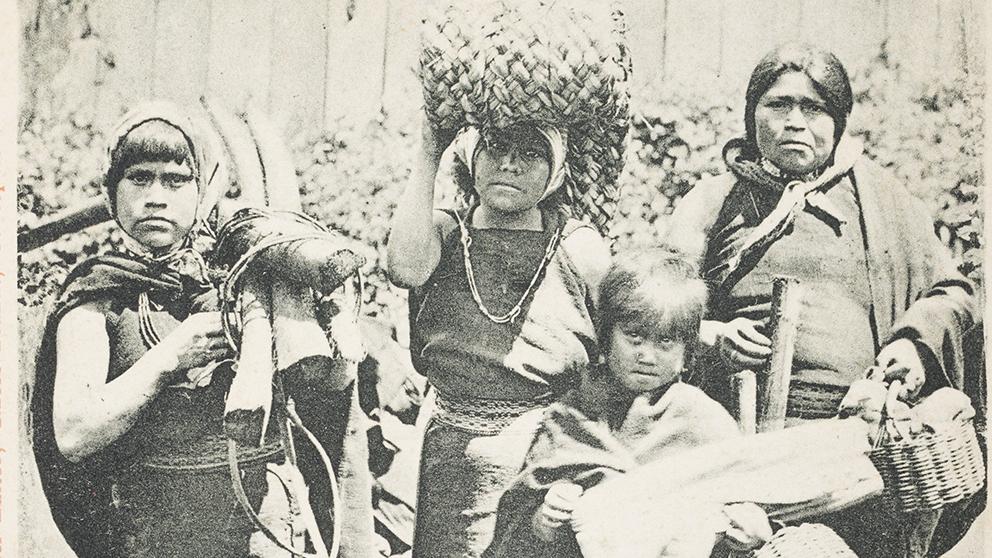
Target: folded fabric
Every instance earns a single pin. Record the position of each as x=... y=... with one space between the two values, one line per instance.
x=672 y=507
x=591 y=436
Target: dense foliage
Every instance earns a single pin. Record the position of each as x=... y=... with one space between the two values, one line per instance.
x=930 y=134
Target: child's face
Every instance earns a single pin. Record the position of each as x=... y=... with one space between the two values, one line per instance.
x=512 y=171
x=156 y=203
x=643 y=363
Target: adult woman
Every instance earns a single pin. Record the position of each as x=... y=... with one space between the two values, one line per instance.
x=800 y=199
x=134 y=368
x=500 y=314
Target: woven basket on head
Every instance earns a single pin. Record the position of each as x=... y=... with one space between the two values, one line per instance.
x=932 y=469
x=809 y=540
x=565 y=64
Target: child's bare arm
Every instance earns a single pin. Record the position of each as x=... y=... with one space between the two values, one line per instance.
x=89 y=413
x=559 y=503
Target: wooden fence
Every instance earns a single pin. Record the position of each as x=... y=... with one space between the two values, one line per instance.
x=311 y=61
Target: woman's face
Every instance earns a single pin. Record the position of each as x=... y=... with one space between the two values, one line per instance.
x=793 y=129
x=641 y=362
x=512 y=170
x=156 y=203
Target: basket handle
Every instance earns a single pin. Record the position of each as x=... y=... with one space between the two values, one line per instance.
x=897 y=428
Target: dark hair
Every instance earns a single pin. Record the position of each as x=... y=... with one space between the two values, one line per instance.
x=823 y=68
x=656 y=291
x=556 y=201
x=152 y=140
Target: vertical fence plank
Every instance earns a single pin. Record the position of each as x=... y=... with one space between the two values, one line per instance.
x=851 y=29
x=240 y=47
x=751 y=29
x=913 y=36
x=962 y=27
x=126 y=27
x=694 y=43
x=646 y=24
x=182 y=40
x=402 y=87
x=298 y=60
x=354 y=74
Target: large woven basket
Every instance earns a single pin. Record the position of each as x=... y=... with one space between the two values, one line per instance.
x=932 y=469
x=808 y=540
x=566 y=64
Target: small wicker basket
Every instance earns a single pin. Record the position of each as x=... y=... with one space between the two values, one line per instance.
x=565 y=64
x=808 y=540
x=930 y=469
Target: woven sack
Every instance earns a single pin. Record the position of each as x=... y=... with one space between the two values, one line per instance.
x=566 y=64
x=808 y=540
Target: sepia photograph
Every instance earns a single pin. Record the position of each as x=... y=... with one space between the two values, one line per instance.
x=493 y=278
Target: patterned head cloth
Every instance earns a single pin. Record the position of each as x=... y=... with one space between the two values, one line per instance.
x=466 y=146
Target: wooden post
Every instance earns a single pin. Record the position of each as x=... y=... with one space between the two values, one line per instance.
x=783 y=324
x=745 y=385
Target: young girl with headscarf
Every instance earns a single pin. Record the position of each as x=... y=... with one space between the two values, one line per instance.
x=134 y=368
x=501 y=299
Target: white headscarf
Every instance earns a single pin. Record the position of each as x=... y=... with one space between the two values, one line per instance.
x=466 y=145
x=205 y=172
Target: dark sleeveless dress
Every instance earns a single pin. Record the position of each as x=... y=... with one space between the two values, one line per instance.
x=488 y=374
x=162 y=489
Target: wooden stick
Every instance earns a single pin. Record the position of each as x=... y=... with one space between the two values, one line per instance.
x=745 y=385
x=783 y=324
x=69 y=221
x=249 y=400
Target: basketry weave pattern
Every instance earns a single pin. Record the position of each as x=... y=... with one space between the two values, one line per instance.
x=931 y=469
x=495 y=64
x=809 y=540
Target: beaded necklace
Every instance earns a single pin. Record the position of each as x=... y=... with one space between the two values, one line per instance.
x=514 y=312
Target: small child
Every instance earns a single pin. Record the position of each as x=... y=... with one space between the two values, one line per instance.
x=628 y=410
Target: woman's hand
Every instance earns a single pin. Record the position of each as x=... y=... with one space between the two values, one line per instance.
x=197 y=341
x=864 y=399
x=749 y=527
x=559 y=503
x=900 y=360
x=742 y=345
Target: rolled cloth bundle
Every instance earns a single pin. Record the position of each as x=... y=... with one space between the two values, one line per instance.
x=289 y=246
x=493 y=65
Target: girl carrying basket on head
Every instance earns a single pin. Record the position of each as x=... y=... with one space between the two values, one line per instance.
x=501 y=298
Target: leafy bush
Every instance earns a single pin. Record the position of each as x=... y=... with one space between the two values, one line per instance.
x=350 y=179
x=351 y=176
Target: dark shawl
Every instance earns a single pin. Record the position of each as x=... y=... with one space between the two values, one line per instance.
x=916 y=290
x=79 y=494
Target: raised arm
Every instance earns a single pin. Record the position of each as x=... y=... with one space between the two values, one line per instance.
x=90 y=413
x=414 y=247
